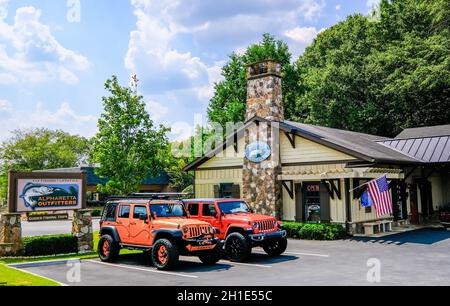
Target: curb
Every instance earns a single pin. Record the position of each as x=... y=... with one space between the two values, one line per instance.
x=44 y=263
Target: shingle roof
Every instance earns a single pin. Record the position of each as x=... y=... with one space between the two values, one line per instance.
x=93 y=179
x=356 y=144
x=429 y=131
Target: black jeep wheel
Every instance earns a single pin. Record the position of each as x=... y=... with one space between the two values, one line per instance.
x=108 y=249
x=165 y=255
x=276 y=248
x=211 y=257
x=237 y=247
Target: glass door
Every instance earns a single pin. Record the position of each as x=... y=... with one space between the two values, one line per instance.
x=311 y=202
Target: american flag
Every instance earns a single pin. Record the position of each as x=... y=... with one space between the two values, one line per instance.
x=380 y=196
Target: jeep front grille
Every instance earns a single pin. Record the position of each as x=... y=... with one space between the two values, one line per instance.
x=266 y=225
x=197 y=231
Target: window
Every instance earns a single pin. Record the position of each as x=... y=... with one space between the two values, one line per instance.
x=227 y=190
x=234 y=207
x=124 y=211
x=168 y=210
x=109 y=212
x=138 y=211
x=368 y=209
x=209 y=210
x=193 y=209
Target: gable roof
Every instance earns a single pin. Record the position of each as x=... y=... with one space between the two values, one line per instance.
x=359 y=145
x=93 y=179
x=428 y=131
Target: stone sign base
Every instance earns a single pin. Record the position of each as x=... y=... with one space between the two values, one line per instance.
x=82 y=229
x=10 y=234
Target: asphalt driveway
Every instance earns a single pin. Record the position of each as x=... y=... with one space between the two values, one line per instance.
x=414 y=258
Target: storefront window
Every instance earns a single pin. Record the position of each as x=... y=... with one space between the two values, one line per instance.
x=311 y=200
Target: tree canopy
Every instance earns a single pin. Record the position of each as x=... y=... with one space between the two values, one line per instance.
x=375 y=74
x=40 y=149
x=128 y=147
x=229 y=100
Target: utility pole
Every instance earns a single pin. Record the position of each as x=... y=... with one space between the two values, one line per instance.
x=134 y=84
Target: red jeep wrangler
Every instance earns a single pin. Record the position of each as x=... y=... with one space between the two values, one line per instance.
x=160 y=228
x=239 y=227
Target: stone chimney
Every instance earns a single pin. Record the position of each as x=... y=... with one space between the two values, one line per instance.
x=260 y=184
x=264 y=95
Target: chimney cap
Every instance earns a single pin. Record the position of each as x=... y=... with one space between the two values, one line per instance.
x=263 y=68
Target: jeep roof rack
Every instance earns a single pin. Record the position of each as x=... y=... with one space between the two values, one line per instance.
x=151 y=196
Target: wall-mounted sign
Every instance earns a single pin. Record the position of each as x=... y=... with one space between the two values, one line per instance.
x=43 y=191
x=258 y=151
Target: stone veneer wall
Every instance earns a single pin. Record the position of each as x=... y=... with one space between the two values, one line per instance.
x=261 y=187
x=10 y=234
x=82 y=229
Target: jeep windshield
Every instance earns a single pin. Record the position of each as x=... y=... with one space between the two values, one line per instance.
x=234 y=207
x=168 y=210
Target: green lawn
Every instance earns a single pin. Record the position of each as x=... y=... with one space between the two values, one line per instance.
x=13 y=277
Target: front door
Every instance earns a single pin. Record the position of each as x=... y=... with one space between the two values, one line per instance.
x=140 y=229
x=209 y=214
x=311 y=202
x=413 y=203
x=426 y=200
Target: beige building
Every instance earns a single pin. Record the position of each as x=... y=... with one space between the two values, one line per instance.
x=309 y=173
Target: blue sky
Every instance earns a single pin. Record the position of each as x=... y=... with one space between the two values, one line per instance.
x=55 y=55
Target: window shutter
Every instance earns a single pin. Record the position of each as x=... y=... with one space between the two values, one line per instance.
x=236 y=191
x=216 y=191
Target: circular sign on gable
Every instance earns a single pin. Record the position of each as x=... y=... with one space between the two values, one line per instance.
x=258 y=151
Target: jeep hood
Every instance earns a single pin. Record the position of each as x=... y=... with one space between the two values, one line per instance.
x=174 y=222
x=247 y=217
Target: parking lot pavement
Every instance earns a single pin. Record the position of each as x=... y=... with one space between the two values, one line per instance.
x=414 y=258
x=51 y=227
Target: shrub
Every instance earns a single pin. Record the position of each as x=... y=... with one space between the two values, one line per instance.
x=96 y=212
x=49 y=245
x=312 y=231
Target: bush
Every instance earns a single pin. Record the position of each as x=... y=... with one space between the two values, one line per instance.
x=49 y=245
x=96 y=212
x=310 y=231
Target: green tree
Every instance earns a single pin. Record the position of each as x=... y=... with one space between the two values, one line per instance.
x=128 y=146
x=382 y=73
x=229 y=100
x=179 y=180
x=40 y=149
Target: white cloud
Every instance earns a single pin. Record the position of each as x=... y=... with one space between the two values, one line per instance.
x=156 y=110
x=5 y=106
x=338 y=7
x=64 y=118
x=34 y=54
x=372 y=3
x=304 y=35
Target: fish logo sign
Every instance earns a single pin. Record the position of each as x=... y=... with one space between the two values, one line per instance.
x=31 y=193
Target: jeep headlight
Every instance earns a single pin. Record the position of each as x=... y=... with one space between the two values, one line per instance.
x=275 y=223
x=255 y=225
x=185 y=229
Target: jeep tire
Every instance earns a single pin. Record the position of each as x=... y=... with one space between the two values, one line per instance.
x=108 y=249
x=237 y=247
x=211 y=257
x=165 y=255
x=276 y=248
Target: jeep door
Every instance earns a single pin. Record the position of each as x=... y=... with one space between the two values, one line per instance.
x=209 y=214
x=123 y=222
x=140 y=229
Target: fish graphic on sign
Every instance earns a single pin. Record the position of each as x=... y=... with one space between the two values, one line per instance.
x=32 y=192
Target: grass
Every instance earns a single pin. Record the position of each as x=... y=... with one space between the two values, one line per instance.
x=14 y=277
x=61 y=257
